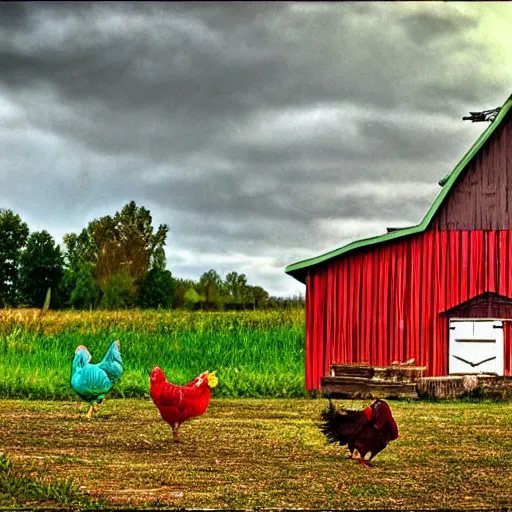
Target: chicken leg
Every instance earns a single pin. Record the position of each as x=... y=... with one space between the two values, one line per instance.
x=357 y=456
x=94 y=409
x=175 y=427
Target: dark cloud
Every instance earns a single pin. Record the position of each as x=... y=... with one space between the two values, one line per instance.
x=426 y=27
x=208 y=72
x=14 y=16
x=251 y=129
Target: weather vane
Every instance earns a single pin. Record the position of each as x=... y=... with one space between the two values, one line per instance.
x=486 y=115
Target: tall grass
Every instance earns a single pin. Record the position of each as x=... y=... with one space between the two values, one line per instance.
x=256 y=354
x=148 y=321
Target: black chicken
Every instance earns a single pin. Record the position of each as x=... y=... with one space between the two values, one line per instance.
x=366 y=431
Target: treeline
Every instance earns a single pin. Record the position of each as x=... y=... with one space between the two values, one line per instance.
x=116 y=262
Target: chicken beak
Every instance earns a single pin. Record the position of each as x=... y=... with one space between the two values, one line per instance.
x=212 y=379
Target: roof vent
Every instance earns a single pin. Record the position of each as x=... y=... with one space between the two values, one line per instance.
x=485 y=115
x=443 y=180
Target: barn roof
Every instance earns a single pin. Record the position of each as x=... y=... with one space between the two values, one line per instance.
x=485 y=305
x=299 y=270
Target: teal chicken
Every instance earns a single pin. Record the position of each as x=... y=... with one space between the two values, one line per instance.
x=91 y=382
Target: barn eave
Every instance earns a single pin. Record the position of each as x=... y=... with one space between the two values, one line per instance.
x=300 y=269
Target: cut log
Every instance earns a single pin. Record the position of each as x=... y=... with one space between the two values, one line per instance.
x=395 y=373
x=456 y=386
x=399 y=373
x=440 y=387
x=352 y=370
x=359 y=387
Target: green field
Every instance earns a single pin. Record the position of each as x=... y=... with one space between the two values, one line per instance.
x=256 y=354
x=251 y=454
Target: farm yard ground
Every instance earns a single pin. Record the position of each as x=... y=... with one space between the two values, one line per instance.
x=254 y=453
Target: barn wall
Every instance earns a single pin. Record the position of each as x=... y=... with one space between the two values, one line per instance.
x=383 y=304
x=483 y=197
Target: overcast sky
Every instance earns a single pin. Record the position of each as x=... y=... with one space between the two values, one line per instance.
x=262 y=134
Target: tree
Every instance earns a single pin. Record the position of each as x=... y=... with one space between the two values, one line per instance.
x=297 y=301
x=181 y=287
x=157 y=289
x=41 y=267
x=236 y=286
x=257 y=296
x=119 y=292
x=126 y=243
x=78 y=284
x=210 y=288
x=13 y=236
x=85 y=293
x=191 y=299
x=158 y=259
x=123 y=244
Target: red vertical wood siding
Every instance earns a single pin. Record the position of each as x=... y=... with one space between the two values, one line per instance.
x=382 y=304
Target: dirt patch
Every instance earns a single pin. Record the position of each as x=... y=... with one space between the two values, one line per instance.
x=264 y=453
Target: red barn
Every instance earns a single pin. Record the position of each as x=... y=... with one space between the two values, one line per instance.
x=439 y=292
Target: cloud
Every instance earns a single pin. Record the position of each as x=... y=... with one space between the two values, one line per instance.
x=261 y=133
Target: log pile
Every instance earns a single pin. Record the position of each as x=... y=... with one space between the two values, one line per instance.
x=457 y=386
x=405 y=380
x=370 y=382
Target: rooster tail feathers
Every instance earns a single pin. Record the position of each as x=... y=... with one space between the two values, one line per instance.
x=333 y=411
x=112 y=363
x=339 y=427
x=329 y=412
x=114 y=352
x=336 y=431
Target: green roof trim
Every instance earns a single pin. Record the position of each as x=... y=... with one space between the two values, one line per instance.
x=299 y=269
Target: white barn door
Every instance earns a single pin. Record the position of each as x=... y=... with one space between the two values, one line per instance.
x=476 y=347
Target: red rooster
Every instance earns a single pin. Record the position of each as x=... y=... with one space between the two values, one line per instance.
x=366 y=431
x=181 y=403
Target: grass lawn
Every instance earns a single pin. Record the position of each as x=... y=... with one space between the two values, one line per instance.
x=248 y=453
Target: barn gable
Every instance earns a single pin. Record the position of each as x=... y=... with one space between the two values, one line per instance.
x=482 y=195
x=477 y=194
